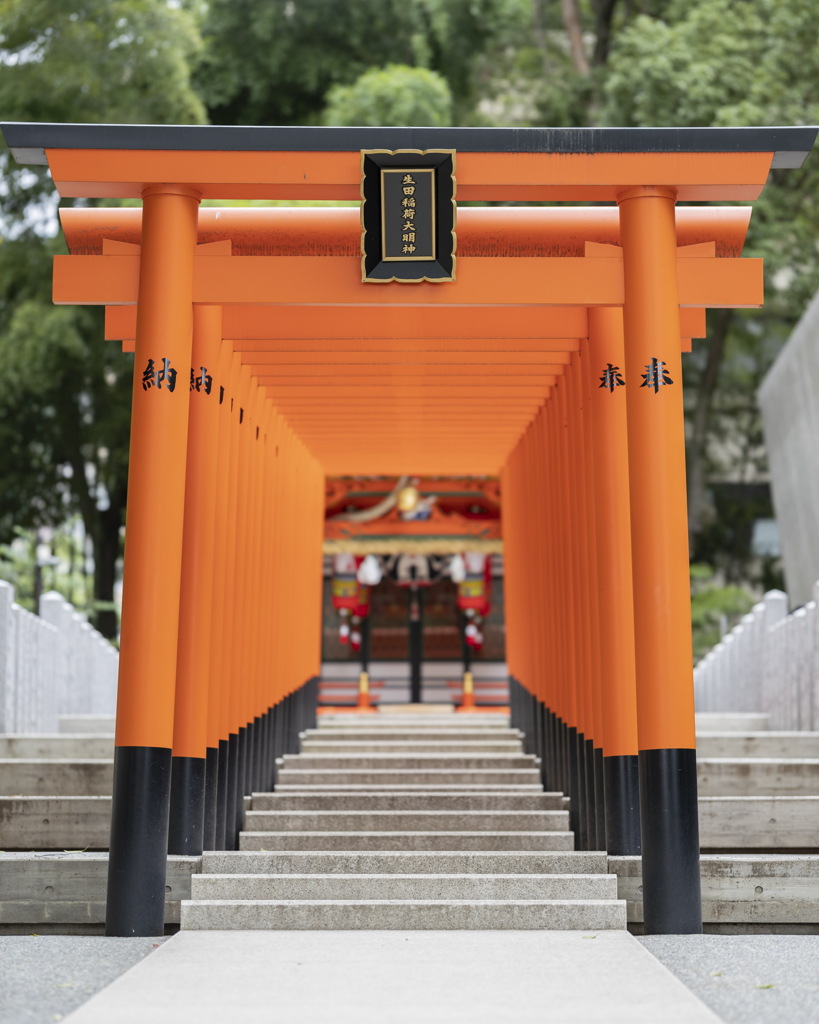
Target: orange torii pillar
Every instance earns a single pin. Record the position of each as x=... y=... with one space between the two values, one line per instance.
x=190 y=749
x=218 y=725
x=153 y=560
x=659 y=532
x=614 y=582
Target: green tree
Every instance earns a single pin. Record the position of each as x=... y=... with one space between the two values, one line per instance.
x=65 y=392
x=715 y=608
x=394 y=95
x=274 y=63
x=723 y=63
x=65 y=399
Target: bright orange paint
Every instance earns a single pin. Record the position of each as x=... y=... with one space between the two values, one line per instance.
x=656 y=450
x=520 y=177
x=532 y=280
x=336 y=231
x=613 y=534
x=156 y=476
x=201 y=485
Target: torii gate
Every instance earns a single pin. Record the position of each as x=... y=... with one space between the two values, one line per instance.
x=573 y=320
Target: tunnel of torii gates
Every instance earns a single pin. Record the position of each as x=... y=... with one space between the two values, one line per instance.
x=553 y=358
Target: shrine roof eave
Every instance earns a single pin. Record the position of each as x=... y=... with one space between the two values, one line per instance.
x=30 y=141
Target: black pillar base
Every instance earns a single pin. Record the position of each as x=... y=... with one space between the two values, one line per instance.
x=139 y=842
x=672 y=901
x=416 y=642
x=241 y=780
x=231 y=834
x=592 y=842
x=573 y=787
x=211 y=791
x=257 y=726
x=622 y=781
x=222 y=796
x=599 y=799
x=186 y=825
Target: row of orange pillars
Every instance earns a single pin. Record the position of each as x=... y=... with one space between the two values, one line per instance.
x=597 y=588
x=596 y=575
x=219 y=652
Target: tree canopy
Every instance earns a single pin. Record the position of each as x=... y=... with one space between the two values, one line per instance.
x=65 y=393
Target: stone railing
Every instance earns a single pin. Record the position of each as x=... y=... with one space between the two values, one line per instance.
x=769 y=662
x=50 y=665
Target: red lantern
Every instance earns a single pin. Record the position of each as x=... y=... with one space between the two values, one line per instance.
x=475 y=591
x=345 y=583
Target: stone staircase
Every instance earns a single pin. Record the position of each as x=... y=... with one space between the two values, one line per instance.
x=406 y=821
x=759 y=818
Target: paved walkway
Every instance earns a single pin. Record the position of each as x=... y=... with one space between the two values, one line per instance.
x=397 y=977
x=279 y=977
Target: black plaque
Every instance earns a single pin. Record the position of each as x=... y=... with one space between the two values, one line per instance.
x=408 y=216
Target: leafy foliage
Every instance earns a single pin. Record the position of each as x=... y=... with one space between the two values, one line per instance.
x=64 y=391
x=394 y=95
x=274 y=63
x=715 y=608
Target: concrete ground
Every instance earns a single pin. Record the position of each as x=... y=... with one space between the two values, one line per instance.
x=44 y=977
x=747 y=979
x=520 y=977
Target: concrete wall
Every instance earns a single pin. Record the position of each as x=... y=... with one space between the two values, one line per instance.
x=51 y=664
x=769 y=662
x=789 y=400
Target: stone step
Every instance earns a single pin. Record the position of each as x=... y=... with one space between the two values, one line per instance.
x=424 y=776
x=729 y=721
x=433 y=733
x=51 y=745
x=758 y=776
x=292 y=788
x=62 y=889
x=406 y=821
x=412 y=841
x=470 y=725
x=504 y=862
x=744 y=889
x=411 y=747
x=100 y=724
x=55 y=822
x=758 y=744
x=404 y=914
x=761 y=822
x=488 y=725
x=729 y=823
x=392 y=801
x=407 y=762
x=380 y=886
x=58 y=776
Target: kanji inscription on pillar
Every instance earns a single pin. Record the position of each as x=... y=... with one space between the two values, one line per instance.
x=656 y=375
x=159 y=377
x=612 y=378
x=201 y=380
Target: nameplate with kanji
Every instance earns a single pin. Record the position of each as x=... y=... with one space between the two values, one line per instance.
x=407 y=216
